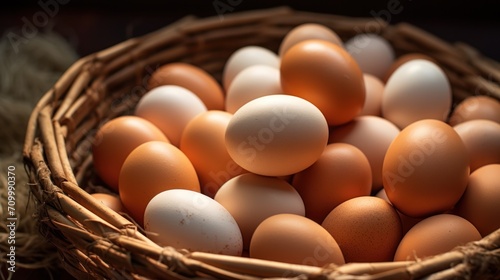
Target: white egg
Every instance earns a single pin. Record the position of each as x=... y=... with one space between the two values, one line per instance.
x=417 y=90
x=189 y=220
x=251 y=83
x=170 y=108
x=245 y=57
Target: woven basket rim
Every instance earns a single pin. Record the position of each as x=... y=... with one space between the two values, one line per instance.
x=96 y=242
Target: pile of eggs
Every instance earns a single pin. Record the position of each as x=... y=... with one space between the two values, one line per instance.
x=326 y=152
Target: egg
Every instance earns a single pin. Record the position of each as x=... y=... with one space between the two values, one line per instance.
x=476 y=107
x=373 y=102
x=192 y=78
x=111 y=201
x=425 y=169
x=252 y=198
x=308 y=31
x=170 y=108
x=115 y=140
x=366 y=228
x=372 y=135
x=480 y=202
x=151 y=168
x=435 y=235
x=203 y=142
x=294 y=239
x=186 y=219
x=407 y=222
x=342 y=172
x=327 y=76
x=482 y=141
x=373 y=53
x=402 y=60
x=262 y=134
x=245 y=57
x=418 y=89
x=251 y=83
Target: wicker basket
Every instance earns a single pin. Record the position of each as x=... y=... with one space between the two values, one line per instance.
x=95 y=242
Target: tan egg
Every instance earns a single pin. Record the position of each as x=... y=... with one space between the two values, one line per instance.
x=170 y=108
x=372 y=135
x=111 y=201
x=203 y=143
x=276 y=135
x=366 y=228
x=151 y=168
x=482 y=140
x=252 y=198
x=372 y=52
x=294 y=239
x=476 y=107
x=192 y=78
x=327 y=76
x=426 y=169
x=115 y=140
x=342 y=172
x=435 y=235
x=308 y=31
x=480 y=202
x=374 y=90
x=402 y=60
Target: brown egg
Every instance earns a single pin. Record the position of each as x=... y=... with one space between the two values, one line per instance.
x=327 y=76
x=111 y=201
x=373 y=101
x=308 y=31
x=476 y=107
x=426 y=169
x=115 y=140
x=402 y=60
x=372 y=135
x=203 y=143
x=482 y=140
x=252 y=198
x=435 y=235
x=480 y=203
x=294 y=239
x=366 y=228
x=151 y=168
x=342 y=172
x=192 y=78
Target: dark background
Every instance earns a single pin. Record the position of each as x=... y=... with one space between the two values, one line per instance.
x=94 y=25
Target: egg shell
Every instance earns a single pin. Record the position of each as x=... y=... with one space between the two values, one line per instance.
x=342 y=172
x=170 y=108
x=380 y=133
x=373 y=102
x=482 y=140
x=480 y=202
x=308 y=31
x=294 y=239
x=402 y=60
x=366 y=228
x=252 y=198
x=327 y=76
x=186 y=219
x=425 y=169
x=252 y=82
x=245 y=57
x=111 y=201
x=192 y=78
x=435 y=235
x=203 y=142
x=276 y=135
x=476 y=107
x=418 y=89
x=151 y=168
x=373 y=53
x=109 y=148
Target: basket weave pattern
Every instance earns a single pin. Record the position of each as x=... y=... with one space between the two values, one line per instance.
x=96 y=243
